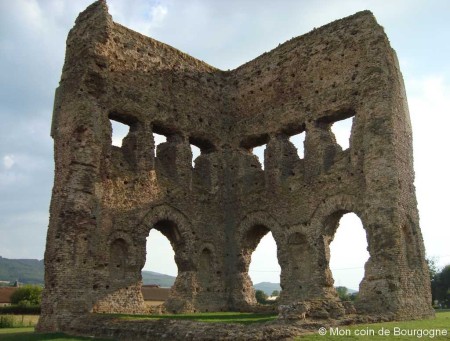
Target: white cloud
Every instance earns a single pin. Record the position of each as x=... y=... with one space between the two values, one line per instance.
x=143 y=16
x=8 y=161
x=158 y=13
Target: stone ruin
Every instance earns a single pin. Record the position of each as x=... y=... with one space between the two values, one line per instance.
x=106 y=199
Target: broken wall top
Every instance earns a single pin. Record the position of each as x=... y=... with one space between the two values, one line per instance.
x=325 y=75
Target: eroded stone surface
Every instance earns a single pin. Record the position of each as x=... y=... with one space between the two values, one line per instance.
x=106 y=199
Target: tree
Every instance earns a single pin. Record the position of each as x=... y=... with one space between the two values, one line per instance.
x=353 y=296
x=342 y=293
x=432 y=267
x=440 y=287
x=275 y=293
x=27 y=295
x=261 y=297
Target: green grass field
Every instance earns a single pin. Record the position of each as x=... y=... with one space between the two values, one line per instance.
x=364 y=332
x=225 y=317
x=378 y=331
x=27 y=334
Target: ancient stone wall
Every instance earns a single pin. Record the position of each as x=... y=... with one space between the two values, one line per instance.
x=106 y=199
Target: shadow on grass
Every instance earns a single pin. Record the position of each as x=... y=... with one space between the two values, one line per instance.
x=242 y=318
x=28 y=334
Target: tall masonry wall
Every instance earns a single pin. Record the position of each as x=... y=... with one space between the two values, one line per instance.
x=106 y=199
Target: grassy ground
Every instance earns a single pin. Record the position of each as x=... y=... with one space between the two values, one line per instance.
x=13 y=321
x=365 y=332
x=225 y=317
x=379 y=331
x=27 y=334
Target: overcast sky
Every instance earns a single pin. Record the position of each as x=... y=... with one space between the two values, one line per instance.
x=225 y=34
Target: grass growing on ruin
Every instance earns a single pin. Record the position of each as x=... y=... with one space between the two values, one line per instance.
x=222 y=317
x=365 y=332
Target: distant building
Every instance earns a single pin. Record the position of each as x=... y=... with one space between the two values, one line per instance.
x=5 y=295
x=154 y=295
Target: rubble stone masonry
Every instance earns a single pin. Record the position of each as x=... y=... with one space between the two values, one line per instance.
x=106 y=199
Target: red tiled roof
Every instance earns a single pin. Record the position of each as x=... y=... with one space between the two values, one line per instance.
x=5 y=294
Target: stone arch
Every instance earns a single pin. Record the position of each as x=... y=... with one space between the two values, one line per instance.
x=173 y=224
x=252 y=228
x=260 y=218
x=176 y=227
x=331 y=207
x=325 y=221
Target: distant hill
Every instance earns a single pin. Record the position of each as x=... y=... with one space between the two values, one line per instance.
x=267 y=287
x=31 y=271
x=28 y=271
x=150 y=277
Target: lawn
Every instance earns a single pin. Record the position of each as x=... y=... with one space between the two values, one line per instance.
x=223 y=317
x=364 y=332
x=13 y=321
x=27 y=334
x=378 y=331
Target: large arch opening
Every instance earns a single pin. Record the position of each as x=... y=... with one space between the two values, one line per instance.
x=348 y=254
x=160 y=270
x=260 y=253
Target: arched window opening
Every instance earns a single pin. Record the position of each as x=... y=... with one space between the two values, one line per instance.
x=342 y=131
x=195 y=153
x=158 y=139
x=259 y=153
x=256 y=144
x=298 y=141
x=200 y=145
x=119 y=132
x=348 y=254
x=264 y=270
x=160 y=270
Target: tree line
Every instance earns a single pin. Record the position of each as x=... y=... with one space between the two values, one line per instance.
x=440 y=285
